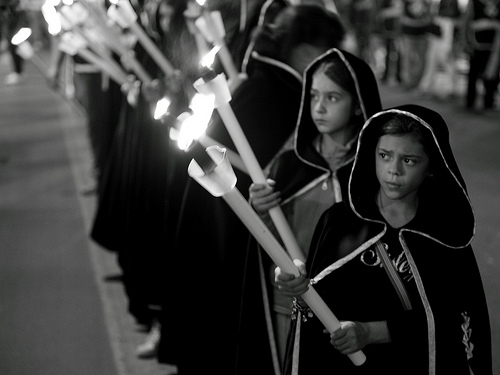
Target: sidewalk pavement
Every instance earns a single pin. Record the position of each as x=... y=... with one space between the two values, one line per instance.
x=61 y=313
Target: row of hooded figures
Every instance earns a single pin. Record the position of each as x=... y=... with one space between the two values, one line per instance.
x=377 y=284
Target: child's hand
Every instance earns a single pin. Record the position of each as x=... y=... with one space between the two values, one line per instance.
x=350 y=337
x=291 y=285
x=153 y=91
x=263 y=197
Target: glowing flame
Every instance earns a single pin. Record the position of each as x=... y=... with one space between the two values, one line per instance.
x=201 y=2
x=195 y=125
x=208 y=60
x=51 y=16
x=22 y=35
x=162 y=107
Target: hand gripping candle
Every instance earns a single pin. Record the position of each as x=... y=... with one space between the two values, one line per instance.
x=212 y=84
x=218 y=179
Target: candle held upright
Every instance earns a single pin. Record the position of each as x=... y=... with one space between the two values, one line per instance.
x=218 y=86
x=220 y=181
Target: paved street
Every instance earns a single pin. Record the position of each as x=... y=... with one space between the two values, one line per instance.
x=61 y=313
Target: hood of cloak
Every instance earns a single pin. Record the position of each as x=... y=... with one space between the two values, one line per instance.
x=444 y=194
x=368 y=98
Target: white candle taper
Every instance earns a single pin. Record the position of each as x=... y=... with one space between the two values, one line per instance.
x=191 y=128
x=101 y=54
x=124 y=15
x=233 y=157
x=221 y=182
x=72 y=45
x=212 y=28
x=192 y=13
x=127 y=56
x=219 y=88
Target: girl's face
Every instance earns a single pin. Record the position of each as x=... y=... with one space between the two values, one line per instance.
x=331 y=108
x=401 y=166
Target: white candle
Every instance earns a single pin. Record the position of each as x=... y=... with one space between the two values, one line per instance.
x=25 y=50
x=72 y=45
x=127 y=56
x=221 y=182
x=218 y=87
x=233 y=157
x=128 y=60
x=211 y=26
x=190 y=15
x=81 y=38
x=123 y=14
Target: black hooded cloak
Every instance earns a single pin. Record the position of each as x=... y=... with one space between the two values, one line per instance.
x=447 y=329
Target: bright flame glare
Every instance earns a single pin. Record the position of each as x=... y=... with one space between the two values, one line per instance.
x=67 y=2
x=195 y=126
x=208 y=60
x=201 y=2
x=22 y=35
x=51 y=16
x=162 y=107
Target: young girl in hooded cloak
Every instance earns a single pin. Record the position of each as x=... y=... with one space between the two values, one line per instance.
x=339 y=93
x=396 y=264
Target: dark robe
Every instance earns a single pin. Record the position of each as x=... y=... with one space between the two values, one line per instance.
x=295 y=171
x=445 y=286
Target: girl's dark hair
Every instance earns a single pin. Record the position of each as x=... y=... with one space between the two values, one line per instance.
x=400 y=124
x=336 y=70
x=394 y=124
x=298 y=24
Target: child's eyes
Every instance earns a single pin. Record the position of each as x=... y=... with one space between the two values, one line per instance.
x=329 y=98
x=408 y=161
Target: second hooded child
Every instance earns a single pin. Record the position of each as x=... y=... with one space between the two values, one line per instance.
x=339 y=94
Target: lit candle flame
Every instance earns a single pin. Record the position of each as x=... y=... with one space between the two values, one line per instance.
x=22 y=35
x=208 y=60
x=51 y=16
x=162 y=107
x=193 y=127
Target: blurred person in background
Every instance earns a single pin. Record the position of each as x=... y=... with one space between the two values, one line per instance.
x=137 y=207
x=12 y=18
x=416 y=19
x=440 y=52
x=386 y=41
x=41 y=36
x=481 y=36
x=339 y=94
x=211 y=240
